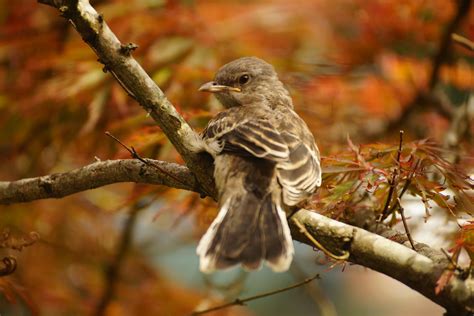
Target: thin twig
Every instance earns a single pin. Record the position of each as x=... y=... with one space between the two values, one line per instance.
x=451 y=259
x=392 y=182
x=317 y=244
x=410 y=178
x=400 y=144
x=117 y=60
x=405 y=225
x=405 y=186
x=464 y=42
x=131 y=150
x=135 y=155
x=242 y=301
x=124 y=86
x=424 y=198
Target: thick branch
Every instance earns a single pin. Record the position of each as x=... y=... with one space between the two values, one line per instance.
x=96 y=175
x=117 y=60
x=419 y=270
x=378 y=253
x=367 y=220
x=390 y=258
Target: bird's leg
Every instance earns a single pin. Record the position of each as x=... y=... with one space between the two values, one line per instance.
x=345 y=254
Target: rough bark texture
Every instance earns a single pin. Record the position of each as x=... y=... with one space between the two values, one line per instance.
x=96 y=175
x=419 y=270
x=117 y=60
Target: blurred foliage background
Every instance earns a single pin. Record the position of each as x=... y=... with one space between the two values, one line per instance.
x=357 y=68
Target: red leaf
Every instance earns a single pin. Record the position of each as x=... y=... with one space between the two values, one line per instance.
x=443 y=281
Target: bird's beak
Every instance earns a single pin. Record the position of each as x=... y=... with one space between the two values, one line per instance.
x=213 y=86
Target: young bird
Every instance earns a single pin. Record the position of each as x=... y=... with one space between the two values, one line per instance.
x=266 y=161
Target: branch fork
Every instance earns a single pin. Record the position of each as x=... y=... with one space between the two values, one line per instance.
x=418 y=270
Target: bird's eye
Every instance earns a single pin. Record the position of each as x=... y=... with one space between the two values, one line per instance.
x=244 y=79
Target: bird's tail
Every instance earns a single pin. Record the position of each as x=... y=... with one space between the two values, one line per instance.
x=247 y=230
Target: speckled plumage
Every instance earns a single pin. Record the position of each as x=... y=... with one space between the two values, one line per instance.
x=265 y=159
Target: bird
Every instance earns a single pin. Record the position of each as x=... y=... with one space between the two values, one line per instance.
x=266 y=162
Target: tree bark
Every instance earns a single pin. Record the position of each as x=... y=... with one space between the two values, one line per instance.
x=419 y=270
x=96 y=175
x=117 y=59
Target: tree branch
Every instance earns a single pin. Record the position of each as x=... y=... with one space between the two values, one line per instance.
x=464 y=42
x=242 y=301
x=445 y=44
x=426 y=97
x=416 y=270
x=117 y=60
x=419 y=271
x=96 y=175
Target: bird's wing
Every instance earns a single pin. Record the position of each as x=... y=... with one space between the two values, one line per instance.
x=293 y=149
x=249 y=137
x=300 y=174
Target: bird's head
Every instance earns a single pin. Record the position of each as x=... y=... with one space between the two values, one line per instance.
x=245 y=81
